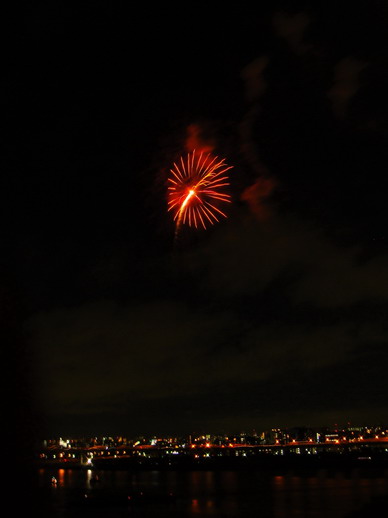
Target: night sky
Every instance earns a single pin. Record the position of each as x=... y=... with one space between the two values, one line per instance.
x=274 y=317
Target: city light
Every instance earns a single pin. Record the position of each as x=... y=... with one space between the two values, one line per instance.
x=357 y=444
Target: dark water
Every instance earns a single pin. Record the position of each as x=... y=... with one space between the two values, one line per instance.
x=225 y=494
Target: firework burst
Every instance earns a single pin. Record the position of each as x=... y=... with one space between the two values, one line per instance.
x=196 y=189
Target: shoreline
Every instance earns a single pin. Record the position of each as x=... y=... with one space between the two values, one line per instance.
x=339 y=462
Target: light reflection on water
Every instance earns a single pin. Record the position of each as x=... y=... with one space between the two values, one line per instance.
x=225 y=494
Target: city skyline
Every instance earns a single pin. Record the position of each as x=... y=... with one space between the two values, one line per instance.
x=356 y=430
x=297 y=447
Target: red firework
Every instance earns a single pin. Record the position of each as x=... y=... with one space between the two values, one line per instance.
x=196 y=188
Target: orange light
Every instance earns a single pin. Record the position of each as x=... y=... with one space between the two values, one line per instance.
x=196 y=189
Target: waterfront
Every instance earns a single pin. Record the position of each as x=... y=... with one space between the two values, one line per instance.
x=290 y=493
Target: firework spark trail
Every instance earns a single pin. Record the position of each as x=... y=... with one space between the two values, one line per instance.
x=196 y=188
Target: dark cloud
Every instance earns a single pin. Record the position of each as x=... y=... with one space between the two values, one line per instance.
x=346 y=84
x=282 y=377
x=218 y=332
x=291 y=28
x=247 y=255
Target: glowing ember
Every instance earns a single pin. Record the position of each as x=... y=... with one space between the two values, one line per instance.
x=196 y=189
